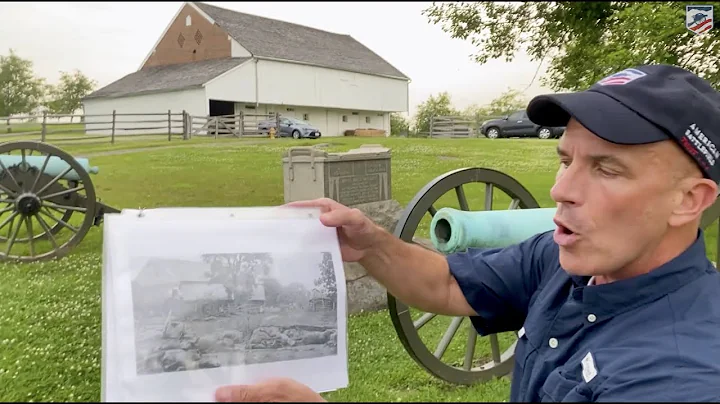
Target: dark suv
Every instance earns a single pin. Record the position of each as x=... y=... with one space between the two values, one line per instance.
x=518 y=124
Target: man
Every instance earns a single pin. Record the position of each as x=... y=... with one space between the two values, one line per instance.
x=619 y=303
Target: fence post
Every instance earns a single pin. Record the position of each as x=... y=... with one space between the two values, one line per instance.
x=169 y=126
x=190 y=126
x=44 y=126
x=216 y=126
x=185 y=122
x=112 y=134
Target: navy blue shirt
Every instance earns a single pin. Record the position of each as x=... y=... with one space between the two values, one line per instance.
x=652 y=337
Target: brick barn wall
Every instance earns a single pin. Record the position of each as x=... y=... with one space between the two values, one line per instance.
x=182 y=44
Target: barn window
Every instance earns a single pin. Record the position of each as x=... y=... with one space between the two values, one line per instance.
x=367 y=119
x=344 y=118
x=290 y=109
x=188 y=21
x=306 y=117
x=181 y=40
x=198 y=37
x=354 y=113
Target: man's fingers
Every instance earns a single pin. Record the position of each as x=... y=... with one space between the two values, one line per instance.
x=236 y=393
x=324 y=203
x=342 y=217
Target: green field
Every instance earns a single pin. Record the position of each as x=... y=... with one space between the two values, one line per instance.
x=50 y=322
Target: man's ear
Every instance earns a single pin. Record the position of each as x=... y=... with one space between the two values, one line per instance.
x=697 y=194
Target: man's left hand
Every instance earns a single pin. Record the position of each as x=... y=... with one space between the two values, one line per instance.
x=271 y=390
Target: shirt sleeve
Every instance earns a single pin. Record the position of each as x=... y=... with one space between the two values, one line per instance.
x=499 y=282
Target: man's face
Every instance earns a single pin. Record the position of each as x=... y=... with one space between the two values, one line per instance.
x=613 y=201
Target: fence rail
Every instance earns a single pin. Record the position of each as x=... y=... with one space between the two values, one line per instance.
x=451 y=126
x=123 y=125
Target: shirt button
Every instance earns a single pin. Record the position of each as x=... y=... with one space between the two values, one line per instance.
x=553 y=343
x=591 y=318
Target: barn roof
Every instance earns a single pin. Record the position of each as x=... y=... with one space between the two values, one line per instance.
x=168 y=78
x=266 y=37
x=164 y=271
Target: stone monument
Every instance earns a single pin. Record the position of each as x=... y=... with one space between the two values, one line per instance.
x=359 y=178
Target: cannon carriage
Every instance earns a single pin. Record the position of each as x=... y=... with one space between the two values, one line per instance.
x=48 y=201
x=48 y=204
x=442 y=218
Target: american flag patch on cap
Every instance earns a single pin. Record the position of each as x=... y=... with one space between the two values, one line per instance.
x=622 y=77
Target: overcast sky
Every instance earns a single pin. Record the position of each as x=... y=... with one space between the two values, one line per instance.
x=107 y=41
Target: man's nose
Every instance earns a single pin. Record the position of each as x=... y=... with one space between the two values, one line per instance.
x=569 y=186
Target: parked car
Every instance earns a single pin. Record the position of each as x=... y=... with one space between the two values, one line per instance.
x=288 y=126
x=518 y=124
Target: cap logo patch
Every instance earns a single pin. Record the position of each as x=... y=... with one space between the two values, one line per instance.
x=621 y=78
x=700 y=147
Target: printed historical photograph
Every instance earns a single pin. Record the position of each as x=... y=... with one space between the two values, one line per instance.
x=233 y=309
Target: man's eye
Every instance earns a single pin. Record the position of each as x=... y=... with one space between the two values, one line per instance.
x=607 y=173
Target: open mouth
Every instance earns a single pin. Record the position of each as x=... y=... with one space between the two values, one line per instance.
x=565 y=230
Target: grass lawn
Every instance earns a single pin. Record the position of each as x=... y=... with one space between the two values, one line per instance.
x=50 y=322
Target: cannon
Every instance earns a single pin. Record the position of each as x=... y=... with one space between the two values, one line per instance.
x=48 y=201
x=440 y=217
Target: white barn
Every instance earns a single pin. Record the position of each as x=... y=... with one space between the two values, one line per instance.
x=212 y=61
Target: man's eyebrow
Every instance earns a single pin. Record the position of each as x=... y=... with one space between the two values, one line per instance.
x=598 y=158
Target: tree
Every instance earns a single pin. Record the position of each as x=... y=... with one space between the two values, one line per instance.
x=433 y=106
x=20 y=91
x=326 y=280
x=398 y=125
x=273 y=289
x=238 y=272
x=506 y=103
x=583 y=41
x=66 y=97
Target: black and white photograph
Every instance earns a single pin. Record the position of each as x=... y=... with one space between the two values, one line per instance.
x=227 y=309
x=198 y=298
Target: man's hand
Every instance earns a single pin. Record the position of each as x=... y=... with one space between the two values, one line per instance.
x=271 y=390
x=356 y=232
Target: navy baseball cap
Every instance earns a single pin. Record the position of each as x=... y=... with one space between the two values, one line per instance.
x=644 y=104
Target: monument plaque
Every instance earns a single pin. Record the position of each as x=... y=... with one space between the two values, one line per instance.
x=358 y=178
x=355 y=177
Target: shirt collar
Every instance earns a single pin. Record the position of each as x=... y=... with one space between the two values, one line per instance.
x=616 y=297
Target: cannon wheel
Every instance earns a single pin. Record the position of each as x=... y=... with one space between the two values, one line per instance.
x=408 y=329
x=34 y=198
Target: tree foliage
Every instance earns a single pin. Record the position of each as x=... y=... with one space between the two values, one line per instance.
x=398 y=125
x=505 y=104
x=20 y=91
x=326 y=281
x=582 y=41
x=434 y=106
x=66 y=97
x=238 y=272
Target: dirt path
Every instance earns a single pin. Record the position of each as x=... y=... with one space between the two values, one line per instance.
x=145 y=149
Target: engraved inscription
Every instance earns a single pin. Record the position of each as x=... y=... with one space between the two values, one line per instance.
x=359 y=167
x=359 y=189
x=374 y=167
x=339 y=169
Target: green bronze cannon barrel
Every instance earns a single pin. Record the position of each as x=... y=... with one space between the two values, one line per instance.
x=454 y=230
x=54 y=167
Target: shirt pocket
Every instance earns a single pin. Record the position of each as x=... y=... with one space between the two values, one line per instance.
x=563 y=386
x=523 y=349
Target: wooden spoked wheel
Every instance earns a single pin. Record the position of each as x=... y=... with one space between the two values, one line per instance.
x=49 y=201
x=436 y=342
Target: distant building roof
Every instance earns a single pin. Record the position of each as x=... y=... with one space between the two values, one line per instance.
x=165 y=271
x=266 y=37
x=168 y=77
